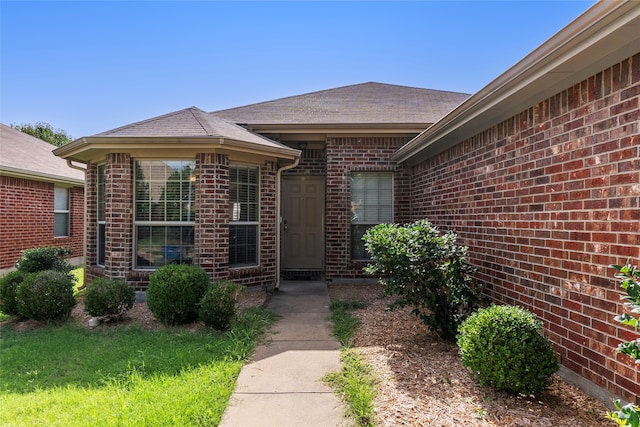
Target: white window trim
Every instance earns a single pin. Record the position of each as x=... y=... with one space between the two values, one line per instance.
x=256 y=223
x=67 y=212
x=137 y=223
x=371 y=223
x=100 y=222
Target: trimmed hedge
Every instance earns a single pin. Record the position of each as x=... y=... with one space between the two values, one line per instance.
x=174 y=292
x=503 y=348
x=46 y=296
x=108 y=297
x=218 y=306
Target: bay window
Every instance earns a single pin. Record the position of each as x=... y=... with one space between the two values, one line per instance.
x=101 y=218
x=164 y=212
x=244 y=210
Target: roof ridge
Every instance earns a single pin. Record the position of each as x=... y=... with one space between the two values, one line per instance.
x=202 y=118
x=307 y=94
x=149 y=120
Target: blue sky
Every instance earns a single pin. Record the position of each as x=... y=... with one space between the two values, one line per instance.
x=86 y=67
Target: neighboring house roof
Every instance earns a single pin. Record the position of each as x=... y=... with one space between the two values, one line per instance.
x=607 y=33
x=183 y=129
x=24 y=156
x=367 y=103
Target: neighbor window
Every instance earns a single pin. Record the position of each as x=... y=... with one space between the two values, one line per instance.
x=101 y=218
x=371 y=204
x=60 y=212
x=244 y=209
x=164 y=212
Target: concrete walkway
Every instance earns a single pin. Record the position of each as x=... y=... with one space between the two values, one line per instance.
x=282 y=385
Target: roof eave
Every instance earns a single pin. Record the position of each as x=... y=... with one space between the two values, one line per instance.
x=79 y=150
x=566 y=59
x=337 y=127
x=39 y=176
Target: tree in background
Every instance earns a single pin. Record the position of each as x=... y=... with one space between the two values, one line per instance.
x=45 y=132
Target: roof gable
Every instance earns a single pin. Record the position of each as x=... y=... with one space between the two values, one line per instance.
x=24 y=155
x=366 y=103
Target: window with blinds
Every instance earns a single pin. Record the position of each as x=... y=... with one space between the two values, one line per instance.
x=371 y=204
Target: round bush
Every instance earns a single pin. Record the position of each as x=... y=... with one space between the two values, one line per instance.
x=218 y=306
x=44 y=258
x=46 y=296
x=174 y=293
x=8 y=286
x=503 y=348
x=108 y=297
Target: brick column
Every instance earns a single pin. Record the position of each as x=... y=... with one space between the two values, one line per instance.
x=118 y=215
x=212 y=215
x=91 y=215
x=268 y=223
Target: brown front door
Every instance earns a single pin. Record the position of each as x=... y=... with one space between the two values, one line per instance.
x=302 y=226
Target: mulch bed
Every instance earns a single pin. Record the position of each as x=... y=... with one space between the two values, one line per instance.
x=423 y=383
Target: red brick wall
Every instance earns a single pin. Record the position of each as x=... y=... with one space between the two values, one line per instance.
x=546 y=200
x=345 y=155
x=211 y=227
x=26 y=212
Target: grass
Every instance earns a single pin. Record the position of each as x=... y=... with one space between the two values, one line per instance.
x=354 y=382
x=344 y=323
x=68 y=376
x=78 y=274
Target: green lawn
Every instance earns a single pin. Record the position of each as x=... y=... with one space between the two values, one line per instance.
x=68 y=376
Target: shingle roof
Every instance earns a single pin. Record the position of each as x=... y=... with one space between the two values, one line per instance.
x=189 y=123
x=373 y=103
x=22 y=154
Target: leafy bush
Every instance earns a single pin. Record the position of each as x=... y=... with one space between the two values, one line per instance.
x=425 y=270
x=174 y=292
x=8 y=286
x=629 y=276
x=44 y=258
x=46 y=296
x=627 y=415
x=503 y=348
x=218 y=306
x=108 y=297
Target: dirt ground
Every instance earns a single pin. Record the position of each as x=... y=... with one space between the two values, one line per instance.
x=423 y=383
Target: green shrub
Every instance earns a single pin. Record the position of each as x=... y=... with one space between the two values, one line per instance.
x=627 y=415
x=503 y=348
x=8 y=287
x=46 y=296
x=218 y=306
x=174 y=292
x=44 y=258
x=629 y=276
x=425 y=270
x=108 y=297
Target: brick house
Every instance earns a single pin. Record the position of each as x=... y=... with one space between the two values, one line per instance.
x=42 y=200
x=196 y=187
x=538 y=173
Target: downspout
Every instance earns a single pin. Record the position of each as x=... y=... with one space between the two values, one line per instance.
x=278 y=215
x=84 y=213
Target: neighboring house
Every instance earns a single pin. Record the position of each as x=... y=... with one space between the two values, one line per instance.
x=41 y=198
x=538 y=173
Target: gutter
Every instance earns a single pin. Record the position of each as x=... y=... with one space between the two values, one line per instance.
x=84 y=213
x=279 y=215
x=602 y=36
